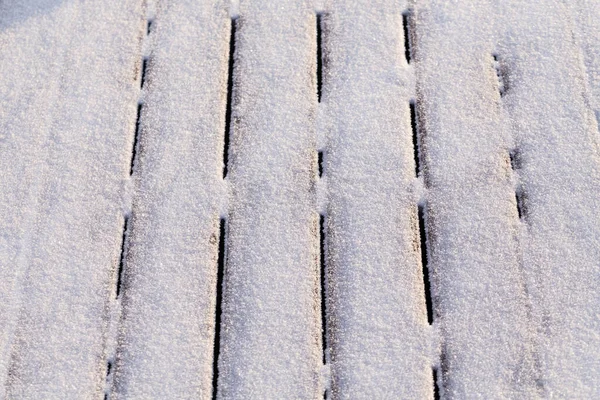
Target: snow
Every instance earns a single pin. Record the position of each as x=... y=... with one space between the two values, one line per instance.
x=166 y=327
x=376 y=305
x=507 y=95
x=517 y=299
x=270 y=346
x=477 y=284
x=63 y=159
x=560 y=174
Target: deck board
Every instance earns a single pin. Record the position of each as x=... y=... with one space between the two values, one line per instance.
x=64 y=161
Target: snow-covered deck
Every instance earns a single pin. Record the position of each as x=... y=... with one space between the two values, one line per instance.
x=296 y=199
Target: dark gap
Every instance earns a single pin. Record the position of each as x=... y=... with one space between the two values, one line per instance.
x=149 y=27
x=515 y=164
x=229 y=95
x=407 y=50
x=319 y=58
x=436 y=389
x=135 y=137
x=108 y=369
x=320 y=164
x=501 y=74
x=323 y=286
x=144 y=67
x=426 y=283
x=218 y=307
x=519 y=201
x=443 y=369
x=413 y=125
x=122 y=258
x=514 y=160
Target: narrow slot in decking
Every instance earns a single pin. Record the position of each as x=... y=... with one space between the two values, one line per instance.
x=415 y=136
x=144 y=68
x=519 y=202
x=122 y=257
x=323 y=278
x=108 y=379
x=406 y=19
x=218 y=306
x=436 y=388
x=142 y=78
x=515 y=164
x=501 y=74
x=319 y=57
x=320 y=163
x=135 y=138
x=424 y=263
x=228 y=106
x=515 y=159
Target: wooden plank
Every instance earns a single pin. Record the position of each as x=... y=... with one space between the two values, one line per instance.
x=270 y=346
x=479 y=291
x=558 y=167
x=68 y=89
x=378 y=336
x=167 y=325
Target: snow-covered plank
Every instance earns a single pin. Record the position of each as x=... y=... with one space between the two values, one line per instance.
x=168 y=293
x=479 y=291
x=378 y=336
x=68 y=88
x=270 y=333
x=585 y=30
x=557 y=160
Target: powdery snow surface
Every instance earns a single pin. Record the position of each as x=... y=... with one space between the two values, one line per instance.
x=67 y=113
x=332 y=260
